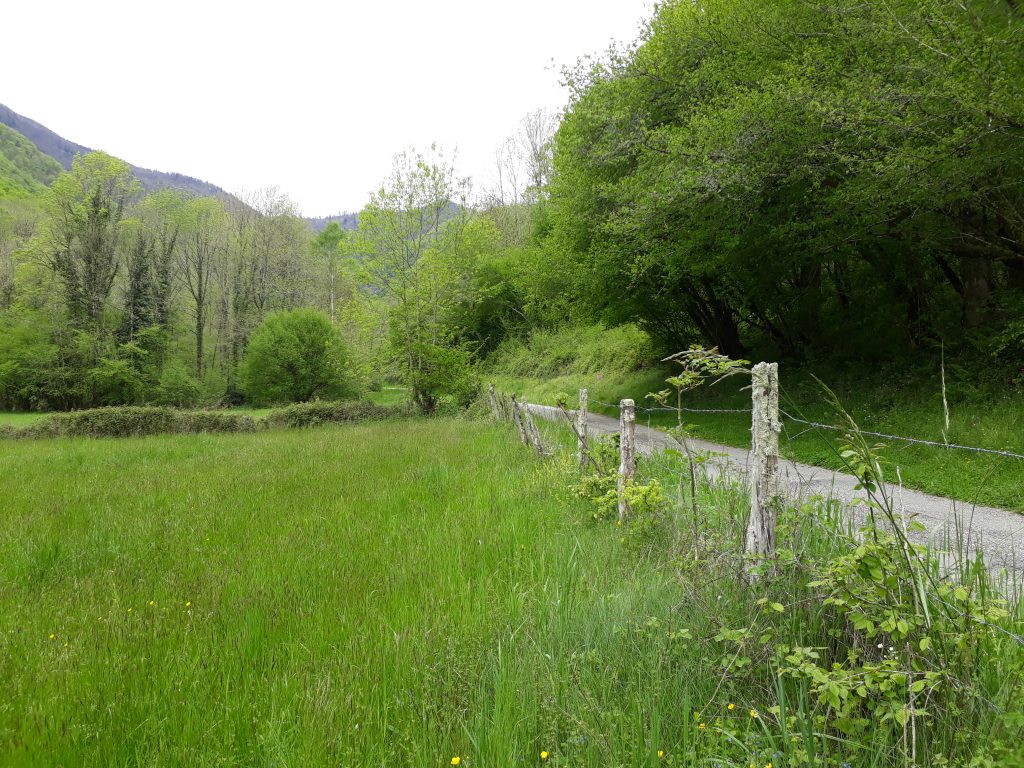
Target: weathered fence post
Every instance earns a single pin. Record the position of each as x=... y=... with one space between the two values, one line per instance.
x=764 y=465
x=517 y=417
x=581 y=429
x=531 y=429
x=627 y=453
x=494 y=402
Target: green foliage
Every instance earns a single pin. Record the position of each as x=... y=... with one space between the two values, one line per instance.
x=135 y=421
x=326 y=412
x=177 y=387
x=572 y=349
x=24 y=170
x=28 y=358
x=840 y=180
x=293 y=357
x=443 y=372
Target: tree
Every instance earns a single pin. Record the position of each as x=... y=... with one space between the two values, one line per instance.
x=411 y=235
x=84 y=209
x=294 y=357
x=202 y=249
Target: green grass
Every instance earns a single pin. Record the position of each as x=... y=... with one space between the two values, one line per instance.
x=895 y=405
x=401 y=593
x=19 y=419
x=386 y=595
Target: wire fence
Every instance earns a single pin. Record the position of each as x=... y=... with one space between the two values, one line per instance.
x=833 y=428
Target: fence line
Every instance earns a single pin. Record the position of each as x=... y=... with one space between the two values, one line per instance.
x=832 y=427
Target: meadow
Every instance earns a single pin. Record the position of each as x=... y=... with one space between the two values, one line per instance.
x=383 y=595
x=424 y=593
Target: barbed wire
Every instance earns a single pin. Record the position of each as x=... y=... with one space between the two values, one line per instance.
x=644 y=409
x=913 y=440
x=831 y=427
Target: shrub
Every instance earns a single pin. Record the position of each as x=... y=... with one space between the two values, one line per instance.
x=135 y=421
x=338 y=412
x=294 y=357
x=177 y=387
x=576 y=350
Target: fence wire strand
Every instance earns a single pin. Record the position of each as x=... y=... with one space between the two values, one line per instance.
x=818 y=425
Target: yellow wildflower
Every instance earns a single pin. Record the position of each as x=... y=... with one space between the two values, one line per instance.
x=130 y=610
x=456 y=760
x=189 y=605
x=543 y=755
x=702 y=726
x=753 y=713
x=53 y=636
x=661 y=753
x=152 y=602
x=731 y=707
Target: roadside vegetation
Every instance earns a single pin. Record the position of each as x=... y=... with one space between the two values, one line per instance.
x=903 y=399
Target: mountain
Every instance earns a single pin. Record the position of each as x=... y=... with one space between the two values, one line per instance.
x=64 y=151
x=24 y=170
x=346 y=221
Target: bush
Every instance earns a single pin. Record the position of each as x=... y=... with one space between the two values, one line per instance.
x=135 y=421
x=294 y=357
x=576 y=350
x=177 y=387
x=338 y=412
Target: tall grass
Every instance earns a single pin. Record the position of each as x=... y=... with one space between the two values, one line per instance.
x=402 y=594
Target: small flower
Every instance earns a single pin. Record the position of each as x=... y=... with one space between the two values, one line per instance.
x=53 y=636
x=753 y=713
x=152 y=602
x=543 y=755
x=661 y=753
x=767 y=765
x=130 y=610
x=702 y=726
x=189 y=605
x=731 y=707
x=456 y=760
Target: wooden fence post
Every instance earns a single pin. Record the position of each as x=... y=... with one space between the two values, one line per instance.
x=764 y=465
x=581 y=429
x=494 y=402
x=627 y=453
x=517 y=417
x=531 y=429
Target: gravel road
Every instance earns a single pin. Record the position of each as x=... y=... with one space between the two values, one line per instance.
x=998 y=532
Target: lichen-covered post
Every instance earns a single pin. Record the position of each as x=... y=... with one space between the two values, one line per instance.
x=627 y=453
x=494 y=402
x=517 y=417
x=531 y=429
x=764 y=465
x=581 y=429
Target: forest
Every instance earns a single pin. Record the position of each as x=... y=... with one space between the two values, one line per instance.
x=839 y=183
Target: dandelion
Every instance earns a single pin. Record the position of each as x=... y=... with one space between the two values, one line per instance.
x=661 y=753
x=543 y=755
x=731 y=707
x=456 y=760
x=753 y=713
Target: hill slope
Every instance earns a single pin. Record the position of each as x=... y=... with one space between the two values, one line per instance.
x=24 y=169
x=64 y=151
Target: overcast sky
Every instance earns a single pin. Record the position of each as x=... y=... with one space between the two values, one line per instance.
x=314 y=98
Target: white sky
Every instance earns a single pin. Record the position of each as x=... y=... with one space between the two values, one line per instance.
x=314 y=98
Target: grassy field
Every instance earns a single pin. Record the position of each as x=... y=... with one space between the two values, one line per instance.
x=413 y=592
x=992 y=418
x=385 y=595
